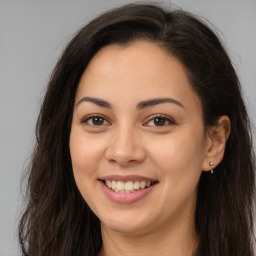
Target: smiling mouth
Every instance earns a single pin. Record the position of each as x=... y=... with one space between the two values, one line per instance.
x=128 y=187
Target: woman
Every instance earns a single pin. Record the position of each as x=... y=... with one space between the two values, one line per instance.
x=143 y=144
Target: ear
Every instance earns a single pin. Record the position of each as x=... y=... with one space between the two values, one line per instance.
x=217 y=137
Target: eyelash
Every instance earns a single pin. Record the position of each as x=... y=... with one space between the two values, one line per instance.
x=166 y=119
x=90 y=117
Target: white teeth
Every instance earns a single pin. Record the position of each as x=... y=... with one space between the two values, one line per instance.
x=143 y=184
x=120 y=185
x=109 y=183
x=113 y=184
x=136 y=185
x=127 y=187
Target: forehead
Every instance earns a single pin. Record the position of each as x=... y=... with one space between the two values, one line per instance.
x=136 y=72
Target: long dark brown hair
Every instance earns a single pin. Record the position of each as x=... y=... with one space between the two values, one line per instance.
x=57 y=220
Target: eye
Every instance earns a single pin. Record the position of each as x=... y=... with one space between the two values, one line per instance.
x=160 y=120
x=95 y=120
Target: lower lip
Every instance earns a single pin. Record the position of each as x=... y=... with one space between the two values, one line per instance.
x=126 y=198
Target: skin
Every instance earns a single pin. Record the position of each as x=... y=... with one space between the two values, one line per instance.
x=130 y=141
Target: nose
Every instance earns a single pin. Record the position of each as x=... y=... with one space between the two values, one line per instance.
x=125 y=147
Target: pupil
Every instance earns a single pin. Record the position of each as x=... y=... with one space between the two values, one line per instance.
x=98 y=121
x=159 y=121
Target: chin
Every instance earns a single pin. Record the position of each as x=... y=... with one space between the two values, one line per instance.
x=125 y=228
x=129 y=224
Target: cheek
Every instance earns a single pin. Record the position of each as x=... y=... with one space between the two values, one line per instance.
x=85 y=157
x=179 y=160
x=85 y=152
x=180 y=155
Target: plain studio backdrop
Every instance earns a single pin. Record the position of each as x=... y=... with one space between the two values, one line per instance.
x=32 y=36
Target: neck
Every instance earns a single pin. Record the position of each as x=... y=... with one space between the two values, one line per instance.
x=177 y=239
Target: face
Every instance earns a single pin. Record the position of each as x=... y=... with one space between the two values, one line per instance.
x=137 y=139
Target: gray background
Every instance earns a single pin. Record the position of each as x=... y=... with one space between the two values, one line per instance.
x=32 y=35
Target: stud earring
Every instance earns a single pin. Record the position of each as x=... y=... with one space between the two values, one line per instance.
x=211 y=165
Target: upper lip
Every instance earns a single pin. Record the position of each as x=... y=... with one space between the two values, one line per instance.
x=126 y=178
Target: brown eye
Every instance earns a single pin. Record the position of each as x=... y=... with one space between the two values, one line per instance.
x=159 y=121
x=95 y=121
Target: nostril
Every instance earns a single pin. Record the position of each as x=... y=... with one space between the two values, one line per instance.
x=112 y=161
x=125 y=152
x=123 y=162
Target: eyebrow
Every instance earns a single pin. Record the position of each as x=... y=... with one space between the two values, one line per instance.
x=140 y=105
x=153 y=102
x=99 y=102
